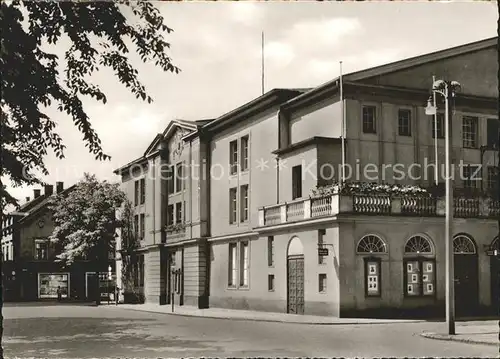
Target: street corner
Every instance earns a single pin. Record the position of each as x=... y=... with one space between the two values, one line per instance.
x=478 y=339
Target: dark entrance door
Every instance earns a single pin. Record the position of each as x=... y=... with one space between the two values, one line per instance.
x=296 y=284
x=495 y=281
x=466 y=284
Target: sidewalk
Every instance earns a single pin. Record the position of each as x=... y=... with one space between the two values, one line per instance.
x=220 y=313
x=477 y=333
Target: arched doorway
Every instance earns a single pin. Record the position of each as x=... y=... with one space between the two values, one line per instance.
x=494 y=276
x=466 y=275
x=295 y=276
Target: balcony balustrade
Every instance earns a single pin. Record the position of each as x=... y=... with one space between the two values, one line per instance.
x=378 y=205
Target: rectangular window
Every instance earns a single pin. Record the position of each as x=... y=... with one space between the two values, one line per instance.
x=184 y=212
x=419 y=277
x=136 y=226
x=440 y=125
x=170 y=214
x=179 y=177
x=171 y=179
x=7 y=253
x=321 y=233
x=136 y=193
x=41 y=249
x=172 y=259
x=244 y=153
x=270 y=251
x=232 y=265
x=322 y=282
x=244 y=264
x=469 y=131
x=244 y=203
x=404 y=122
x=372 y=277
x=143 y=226
x=143 y=190
x=233 y=157
x=471 y=175
x=178 y=212
x=492 y=178
x=296 y=182
x=369 y=119
x=270 y=282
x=232 y=205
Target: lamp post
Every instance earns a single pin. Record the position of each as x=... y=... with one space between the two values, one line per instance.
x=447 y=89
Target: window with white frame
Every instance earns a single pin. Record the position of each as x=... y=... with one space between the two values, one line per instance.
x=232 y=205
x=369 y=119
x=178 y=212
x=463 y=244
x=470 y=131
x=372 y=246
x=179 y=176
x=233 y=269
x=41 y=249
x=136 y=193
x=244 y=203
x=233 y=157
x=321 y=233
x=142 y=220
x=270 y=251
x=244 y=153
x=170 y=214
x=439 y=118
x=419 y=268
x=404 y=122
x=170 y=180
x=471 y=176
x=136 y=226
x=244 y=264
x=143 y=190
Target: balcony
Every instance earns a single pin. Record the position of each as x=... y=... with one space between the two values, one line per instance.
x=377 y=205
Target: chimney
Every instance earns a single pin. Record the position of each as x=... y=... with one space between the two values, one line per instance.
x=36 y=193
x=59 y=187
x=27 y=199
x=49 y=189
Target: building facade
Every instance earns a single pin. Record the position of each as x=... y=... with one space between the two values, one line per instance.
x=30 y=269
x=241 y=225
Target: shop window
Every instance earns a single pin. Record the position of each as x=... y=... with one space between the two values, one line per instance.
x=420 y=269
x=372 y=277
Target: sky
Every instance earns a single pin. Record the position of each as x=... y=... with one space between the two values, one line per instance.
x=217 y=46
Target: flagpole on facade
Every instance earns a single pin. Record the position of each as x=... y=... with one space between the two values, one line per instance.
x=262 y=44
x=342 y=126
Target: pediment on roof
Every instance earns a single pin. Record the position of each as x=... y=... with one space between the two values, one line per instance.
x=173 y=134
x=475 y=68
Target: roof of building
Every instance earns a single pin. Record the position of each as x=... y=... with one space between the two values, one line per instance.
x=39 y=203
x=396 y=66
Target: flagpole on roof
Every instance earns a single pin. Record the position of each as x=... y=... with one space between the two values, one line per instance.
x=342 y=126
x=262 y=44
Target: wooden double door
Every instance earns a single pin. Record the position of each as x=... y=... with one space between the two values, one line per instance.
x=295 y=281
x=466 y=284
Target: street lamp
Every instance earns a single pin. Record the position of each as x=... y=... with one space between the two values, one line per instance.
x=447 y=89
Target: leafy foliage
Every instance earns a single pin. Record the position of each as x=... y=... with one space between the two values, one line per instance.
x=100 y=35
x=85 y=220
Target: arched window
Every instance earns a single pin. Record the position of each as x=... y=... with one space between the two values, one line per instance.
x=463 y=244
x=371 y=245
x=419 y=268
x=418 y=245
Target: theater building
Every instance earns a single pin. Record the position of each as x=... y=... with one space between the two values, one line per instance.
x=30 y=269
x=241 y=226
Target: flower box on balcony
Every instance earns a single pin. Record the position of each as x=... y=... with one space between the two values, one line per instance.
x=175 y=228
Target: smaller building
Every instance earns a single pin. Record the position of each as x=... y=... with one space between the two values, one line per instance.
x=30 y=269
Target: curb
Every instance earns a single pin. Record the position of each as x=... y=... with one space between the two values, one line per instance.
x=269 y=320
x=450 y=338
